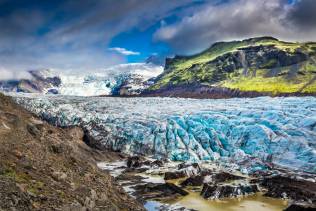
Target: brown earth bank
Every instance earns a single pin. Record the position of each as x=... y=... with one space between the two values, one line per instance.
x=47 y=168
x=207 y=92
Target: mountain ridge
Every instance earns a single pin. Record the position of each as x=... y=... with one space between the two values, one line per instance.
x=261 y=65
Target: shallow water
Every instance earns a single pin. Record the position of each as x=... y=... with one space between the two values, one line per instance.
x=251 y=202
x=255 y=202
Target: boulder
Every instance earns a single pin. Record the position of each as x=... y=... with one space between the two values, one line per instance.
x=174 y=175
x=213 y=191
x=193 y=181
x=157 y=163
x=159 y=191
x=134 y=162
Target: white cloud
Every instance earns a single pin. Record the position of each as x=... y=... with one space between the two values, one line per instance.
x=35 y=37
x=6 y=74
x=124 y=51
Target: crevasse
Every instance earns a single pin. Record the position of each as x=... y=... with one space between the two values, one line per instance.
x=276 y=131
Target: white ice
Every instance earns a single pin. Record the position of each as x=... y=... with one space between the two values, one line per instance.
x=281 y=131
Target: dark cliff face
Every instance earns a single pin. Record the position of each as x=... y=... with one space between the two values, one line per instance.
x=264 y=65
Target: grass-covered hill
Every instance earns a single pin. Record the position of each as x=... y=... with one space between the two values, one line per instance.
x=257 y=65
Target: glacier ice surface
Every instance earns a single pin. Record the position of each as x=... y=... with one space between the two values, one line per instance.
x=278 y=131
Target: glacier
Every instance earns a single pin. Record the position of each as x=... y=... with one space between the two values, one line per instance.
x=109 y=80
x=258 y=132
x=133 y=77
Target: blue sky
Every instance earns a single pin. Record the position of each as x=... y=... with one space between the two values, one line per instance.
x=140 y=41
x=91 y=34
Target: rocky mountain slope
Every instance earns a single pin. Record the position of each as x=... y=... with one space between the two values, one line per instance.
x=252 y=67
x=39 y=81
x=47 y=168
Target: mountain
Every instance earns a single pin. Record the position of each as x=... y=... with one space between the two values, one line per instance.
x=42 y=81
x=124 y=79
x=48 y=168
x=251 y=67
x=156 y=59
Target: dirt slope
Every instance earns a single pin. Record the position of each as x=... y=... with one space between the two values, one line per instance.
x=48 y=168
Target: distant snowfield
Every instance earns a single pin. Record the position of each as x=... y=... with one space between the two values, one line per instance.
x=92 y=83
x=103 y=83
x=249 y=132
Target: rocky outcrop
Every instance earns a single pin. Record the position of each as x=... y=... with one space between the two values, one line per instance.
x=164 y=191
x=210 y=177
x=193 y=181
x=174 y=175
x=134 y=162
x=290 y=187
x=215 y=191
x=184 y=170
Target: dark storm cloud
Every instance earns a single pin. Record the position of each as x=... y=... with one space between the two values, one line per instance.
x=71 y=34
x=303 y=14
x=240 y=19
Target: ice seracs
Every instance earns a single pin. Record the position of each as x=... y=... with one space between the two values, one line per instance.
x=253 y=133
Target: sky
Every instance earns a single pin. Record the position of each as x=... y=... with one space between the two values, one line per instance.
x=88 y=35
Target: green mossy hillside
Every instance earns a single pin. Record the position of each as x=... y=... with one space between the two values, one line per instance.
x=262 y=64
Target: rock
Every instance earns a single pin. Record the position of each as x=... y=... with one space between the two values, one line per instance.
x=59 y=176
x=184 y=170
x=301 y=207
x=134 y=162
x=174 y=175
x=176 y=189
x=189 y=165
x=33 y=130
x=211 y=191
x=298 y=190
x=193 y=181
x=135 y=170
x=159 y=191
x=157 y=163
x=92 y=142
x=222 y=177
